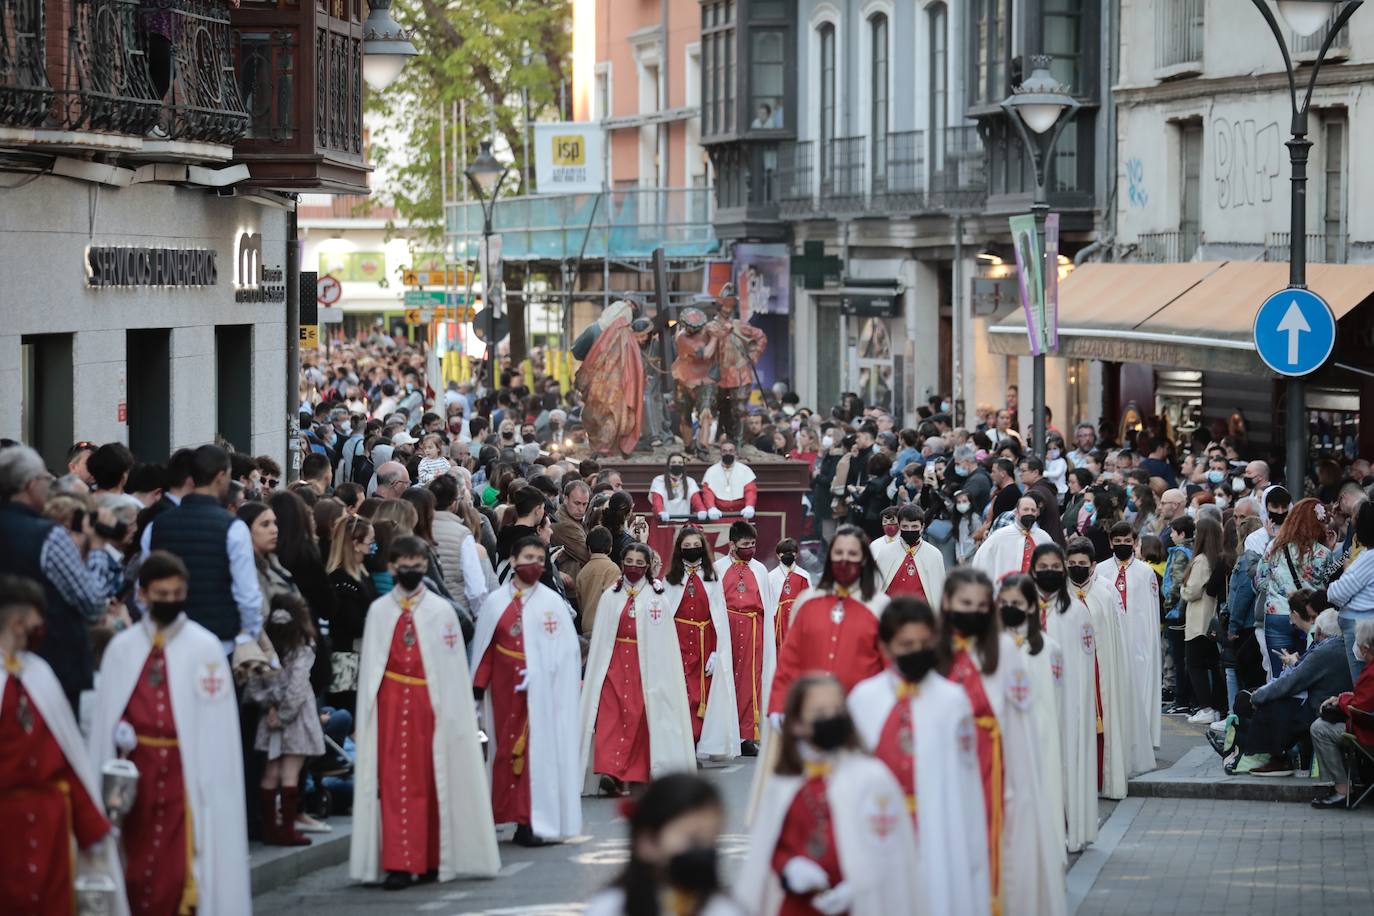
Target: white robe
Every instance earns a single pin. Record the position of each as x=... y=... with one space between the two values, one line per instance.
x=930 y=565
x=876 y=545
x=778 y=575
x=728 y=484
x=102 y=858
x=1114 y=682
x=680 y=507
x=873 y=839
x=1076 y=637
x=553 y=665
x=660 y=676
x=769 y=596
x=1141 y=629
x=1000 y=553
x=951 y=834
x=207 y=722
x=720 y=729
x=467 y=836
x=1046 y=699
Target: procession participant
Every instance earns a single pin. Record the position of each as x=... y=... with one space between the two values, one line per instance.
x=696 y=379
x=165 y=699
x=693 y=596
x=675 y=495
x=421 y=808
x=912 y=566
x=888 y=519
x=729 y=486
x=529 y=670
x=1024 y=865
x=921 y=726
x=1137 y=595
x=832 y=834
x=49 y=792
x=1018 y=603
x=1111 y=675
x=1008 y=549
x=787 y=580
x=751 y=605
x=636 y=724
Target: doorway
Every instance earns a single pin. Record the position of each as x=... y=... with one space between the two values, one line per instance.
x=149 y=370
x=47 y=421
x=234 y=389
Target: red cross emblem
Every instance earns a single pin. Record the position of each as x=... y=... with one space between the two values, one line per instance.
x=1086 y=638
x=450 y=636
x=1018 y=688
x=212 y=682
x=883 y=818
x=1057 y=666
x=655 y=612
x=966 y=736
x=550 y=623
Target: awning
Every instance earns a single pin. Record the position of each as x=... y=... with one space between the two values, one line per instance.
x=1195 y=315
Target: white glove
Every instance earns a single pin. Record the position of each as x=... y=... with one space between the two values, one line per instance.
x=524 y=681
x=747 y=512
x=802 y=876
x=711 y=665
x=713 y=513
x=776 y=719
x=701 y=515
x=663 y=516
x=839 y=899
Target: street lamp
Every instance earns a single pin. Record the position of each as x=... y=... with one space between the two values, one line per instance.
x=1040 y=108
x=485 y=174
x=1305 y=17
x=386 y=46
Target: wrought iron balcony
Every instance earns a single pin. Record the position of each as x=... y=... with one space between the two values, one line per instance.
x=108 y=85
x=202 y=102
x=796 y=177
x=843 y=185
x=25 y=95
x=1322 y=248
x=901 y=182
x=958 y=170
x=1170 y=247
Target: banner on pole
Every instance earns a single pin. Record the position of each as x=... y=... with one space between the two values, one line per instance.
x=1026 y=243
x=568 y=157
x=1052 y=282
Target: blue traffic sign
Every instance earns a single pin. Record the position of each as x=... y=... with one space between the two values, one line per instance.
x=1295 y=331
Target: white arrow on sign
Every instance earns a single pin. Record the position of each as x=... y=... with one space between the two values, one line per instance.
x=1293 y=324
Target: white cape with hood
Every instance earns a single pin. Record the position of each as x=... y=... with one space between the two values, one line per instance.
x=1046 y=671
x=207 y=722
x=660 y=676
x=467 y=837
x=951 y=820
x=1076 y=639
x=930 y=566
x=42 y=686
x=553 y=665
x=873 y=838
x=768 y=643
x=1114 y=682
x=1141 y=629
x=1001 y=552
x=720 y=730
x=777 y=577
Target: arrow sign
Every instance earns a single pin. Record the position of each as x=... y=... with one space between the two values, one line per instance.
x=1295 y=332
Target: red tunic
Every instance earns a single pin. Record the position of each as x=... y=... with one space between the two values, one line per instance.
x=744 y=602
x=817 y=641
x=1027 y=548
x=809 y=832
x=158 y=834
x=897 y=744
x=697 y=640
x=42 y=805
x=793 y=584
x=908 y=578
x=405 y=766
x=622 y=729
x=499 y=673
x=964 y=672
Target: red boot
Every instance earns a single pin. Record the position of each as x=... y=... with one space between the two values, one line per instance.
x=271 y=822
x=290 y=804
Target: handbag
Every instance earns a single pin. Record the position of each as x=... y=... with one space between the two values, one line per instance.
x=343 y=675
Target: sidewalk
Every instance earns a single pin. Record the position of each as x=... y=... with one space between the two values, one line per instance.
x=275 y=866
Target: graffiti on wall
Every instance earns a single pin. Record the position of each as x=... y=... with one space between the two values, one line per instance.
x=1135 y=183
x=1247 y=159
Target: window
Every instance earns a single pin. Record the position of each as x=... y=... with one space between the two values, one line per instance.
x=937 y=16
x=1178 y=32
x=601 y=94
x=1063 y=24
x=989 y=21
x=718 y=66
x=877 y=94
x=1333 y=191
x=826 y=132
x=767 y=75
x=1190 y=189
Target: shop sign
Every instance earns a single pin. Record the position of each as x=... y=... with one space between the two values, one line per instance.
x=254 y=281
x=109 y=266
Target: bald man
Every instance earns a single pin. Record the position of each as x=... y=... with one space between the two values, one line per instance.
x=1257 y=479
x=1172 y=504
x=392 y=480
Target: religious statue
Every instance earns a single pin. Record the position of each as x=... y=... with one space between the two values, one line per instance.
x=611 y=380
x=739 y=347
x=655 y=417
x=696 y=376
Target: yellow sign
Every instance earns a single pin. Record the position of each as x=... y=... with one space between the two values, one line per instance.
x=569 y=150
x=441 y=313
x=434 y=278
x=310 y=337
x=412 y=316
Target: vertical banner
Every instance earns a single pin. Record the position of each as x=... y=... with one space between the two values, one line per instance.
x=1052 y=282
x=568 y=157
x=493 y=288
x=1028 y=270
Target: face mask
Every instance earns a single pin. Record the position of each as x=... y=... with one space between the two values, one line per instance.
x=944 y=407
x=252 y=495
x=914 y=666
x=1079 y=575
x=1052 y=454
x=1027 y=520
x=410 y=579
x=745 y=553
x=891 y=530
x=1012 y=616
x=1248 y=482
x=1049 y=580
x=961 y=471
x=346 y=429
x=911 y=538
x=529 y=573
x=1191 y=511
x=33 y=640
x=827 y=442
x=787 y=559
x=675 y=470
x=1237 y=485
x=846 y=572
x=694 y=870
x=692 y=554
x=634 y=573
x=1123 y=552
x=1277 y=519
x=164 y=612
x=1130 y=505
x=963 y=507
x=727 y=460
x=966 y=622
x=1215 y=477
x=833 y=733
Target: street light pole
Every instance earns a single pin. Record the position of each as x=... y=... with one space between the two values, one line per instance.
x=485 y=174
x=1305 y=17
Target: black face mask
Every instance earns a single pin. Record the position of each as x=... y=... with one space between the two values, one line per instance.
x=969 y=623
x=727 y=460
x=694 y=870
x=1079 y=575
x=833 y=733
x=164 y=612
x=1028 y=520
x=410 y=579
x=693 y=554
x=787 y=559
x=1012 y=616
x=1123 y=552
x=912 y=538
x=1277 y=518
x=1249 y=482
x=914 y=666
x=675 y=470
x=1050 y=580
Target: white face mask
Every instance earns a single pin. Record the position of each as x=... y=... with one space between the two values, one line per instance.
x=1191 y=511
x=1237 y=485
x=827 y=442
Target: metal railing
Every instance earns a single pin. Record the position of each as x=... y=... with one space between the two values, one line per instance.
x=25 y=95
x=958 y=169
x=1179 y=28
x=1321 y=247
x=796 y=177
x=1170 y=247
x=108 y=84
x=845 y=188
x=202 y=103
x=626 y=224
x=903 y=184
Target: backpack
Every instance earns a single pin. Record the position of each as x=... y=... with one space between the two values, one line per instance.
x=360 y=468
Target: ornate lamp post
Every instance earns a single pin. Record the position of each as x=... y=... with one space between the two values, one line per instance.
x=485 y=174
x=386 y=46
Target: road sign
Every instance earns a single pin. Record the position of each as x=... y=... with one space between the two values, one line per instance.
x=434 y=278
x=433 y=298
x=328 y=290
x=1295 y=331
x=310 y=336
x=329 y=315
x=427 y=314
